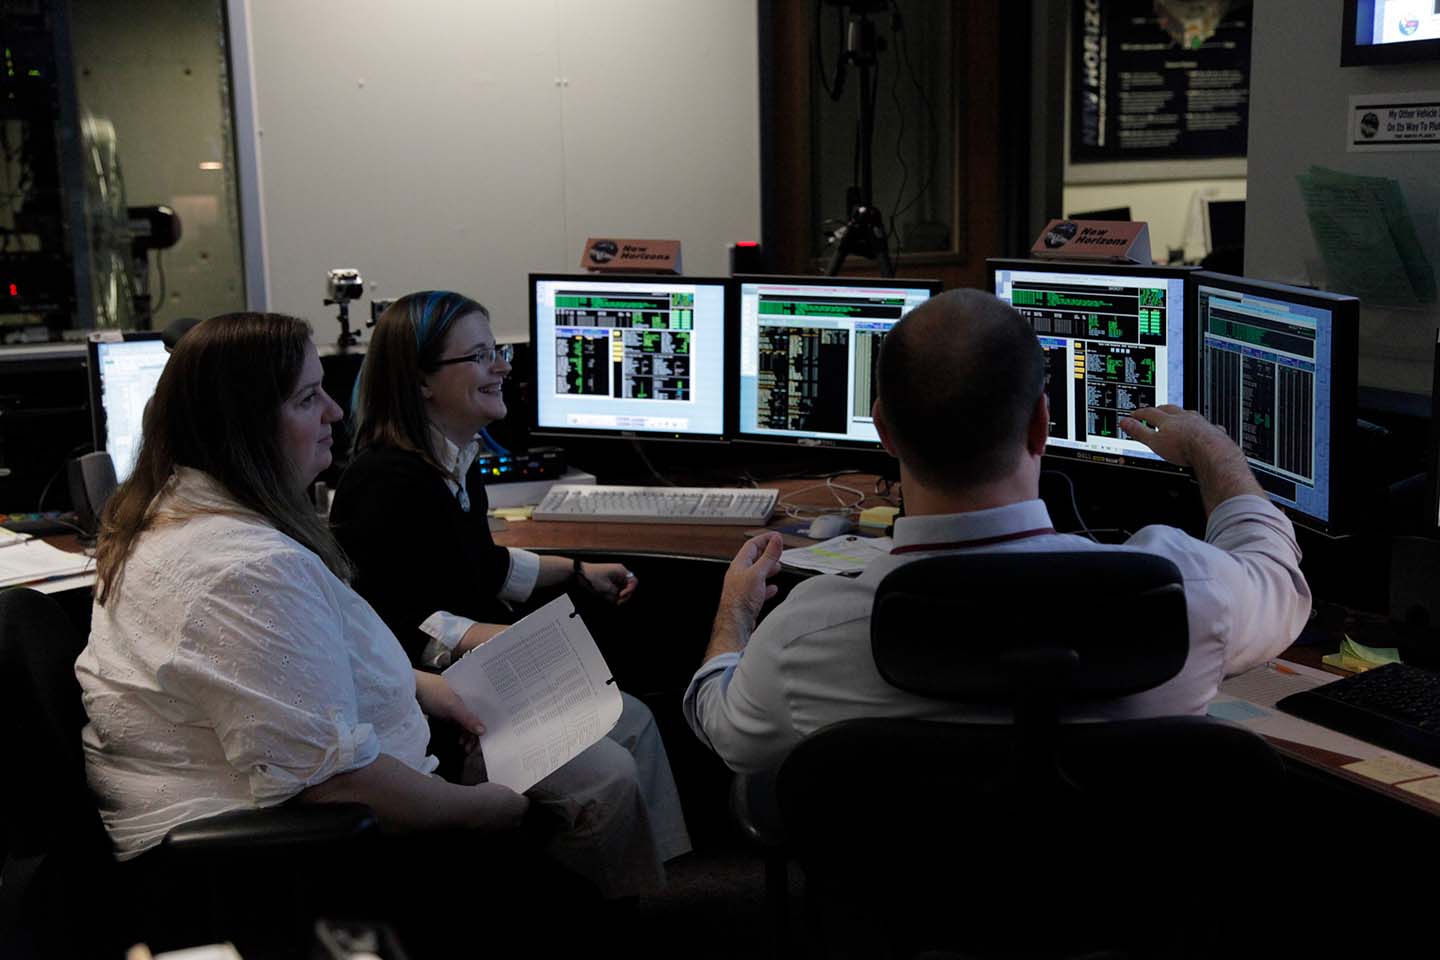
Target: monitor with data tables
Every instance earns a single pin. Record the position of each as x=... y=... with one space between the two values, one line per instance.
x=807 y=351
x=628 y=356
x=1114 y=338
x=1432 y=508
x=124 y=369
x=1278 y=371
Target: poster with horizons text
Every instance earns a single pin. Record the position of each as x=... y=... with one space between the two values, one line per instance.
x=1159 y=79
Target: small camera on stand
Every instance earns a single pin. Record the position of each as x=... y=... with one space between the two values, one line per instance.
x=341 y=287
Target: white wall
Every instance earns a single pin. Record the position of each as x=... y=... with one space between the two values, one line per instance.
x=464 y=143
x=1299 y=100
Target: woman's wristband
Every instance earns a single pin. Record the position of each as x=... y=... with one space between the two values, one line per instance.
x=577 y=574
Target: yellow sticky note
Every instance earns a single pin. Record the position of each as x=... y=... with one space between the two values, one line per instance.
x=878 y=516
x=1344 y=661
x=1388 y=769
x=1375 y=656
x=513 y=513
x=1428 y=788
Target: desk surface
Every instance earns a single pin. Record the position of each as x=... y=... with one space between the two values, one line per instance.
x=692 y=539
x=721 y=542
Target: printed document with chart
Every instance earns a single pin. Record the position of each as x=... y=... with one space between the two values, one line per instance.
x=542 y=690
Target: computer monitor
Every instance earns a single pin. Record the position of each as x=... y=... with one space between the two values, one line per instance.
x=1224 y=225
x=629 y=356
x=1114 y=338
x=808 y=350
x=1278 y=371
x=1109 y=213
x=1389 y=31
x=124 y=369
x=1432 y=521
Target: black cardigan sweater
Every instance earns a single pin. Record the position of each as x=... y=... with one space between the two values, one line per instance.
x=414 y=550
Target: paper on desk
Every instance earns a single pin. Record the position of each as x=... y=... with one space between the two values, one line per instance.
x=543 y=691
x=37 y=560
x=1363 y=230
x=1390 y=769
x=847 y=554
x=1249 y=699
x=1269 y=683
x=1428 y=788
x=1282 y=726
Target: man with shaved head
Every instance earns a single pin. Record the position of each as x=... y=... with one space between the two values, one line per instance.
x=962 y=406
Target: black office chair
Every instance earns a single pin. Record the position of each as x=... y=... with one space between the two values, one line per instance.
x=243 y=876
x=1033 y=837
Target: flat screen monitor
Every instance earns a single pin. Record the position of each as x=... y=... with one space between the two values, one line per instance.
x=124 y=369
x=1433 y=520
x=1115 y=340
x=1278 y=371
x=1389 y=31
x=1224 y=224
x=628 y=356
x=808 y=352
x=1121 y=214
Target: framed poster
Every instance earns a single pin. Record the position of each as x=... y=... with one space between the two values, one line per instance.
x=1159 y=80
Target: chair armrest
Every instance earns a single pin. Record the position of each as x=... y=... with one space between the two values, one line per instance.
x=753 y=806
x=271 y=828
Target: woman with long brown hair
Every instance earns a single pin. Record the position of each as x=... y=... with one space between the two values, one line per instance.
x=231 y=666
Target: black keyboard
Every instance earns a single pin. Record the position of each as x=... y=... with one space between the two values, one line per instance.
x=1396 y=706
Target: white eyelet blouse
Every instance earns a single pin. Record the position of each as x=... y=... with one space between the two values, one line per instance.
x=233 y=670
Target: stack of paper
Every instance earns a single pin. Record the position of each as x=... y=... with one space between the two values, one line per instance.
x=26 y=561
x=1366 y=238
x=845 y=554
x=543 y=691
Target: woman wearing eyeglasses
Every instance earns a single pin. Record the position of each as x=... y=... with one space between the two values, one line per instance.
x=410 y=509
x=410 y=512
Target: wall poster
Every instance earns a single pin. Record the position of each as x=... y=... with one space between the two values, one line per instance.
x=1159 y=79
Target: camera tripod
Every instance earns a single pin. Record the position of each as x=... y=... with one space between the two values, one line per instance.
x=348 y=338
x=864 y=232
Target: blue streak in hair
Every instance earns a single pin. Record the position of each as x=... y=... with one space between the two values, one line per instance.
x=427 y=316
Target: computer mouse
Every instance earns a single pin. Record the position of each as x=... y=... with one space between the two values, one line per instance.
x=829 y=525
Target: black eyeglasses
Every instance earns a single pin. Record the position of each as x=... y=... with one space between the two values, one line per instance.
x=484 y=358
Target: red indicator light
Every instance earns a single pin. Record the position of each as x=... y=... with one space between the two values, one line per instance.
x=14 y=290
x=747 y=243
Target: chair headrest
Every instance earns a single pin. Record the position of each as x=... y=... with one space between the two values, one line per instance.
x=981 y=627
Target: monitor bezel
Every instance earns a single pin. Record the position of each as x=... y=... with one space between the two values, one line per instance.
x=533 y=407
x=1189 y=362
x=1344 y=355
x=98 y=420
x=1432 y=522
x=738 y=435
x=1356 y=54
